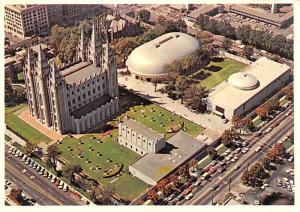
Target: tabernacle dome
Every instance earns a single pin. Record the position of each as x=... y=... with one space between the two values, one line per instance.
x=243 y=81
x=147 y=61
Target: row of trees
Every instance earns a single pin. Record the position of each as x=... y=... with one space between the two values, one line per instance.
x=276 y=44
x=257 y=173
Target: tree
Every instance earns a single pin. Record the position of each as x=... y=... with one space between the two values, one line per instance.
x=266 y=162
x=192 y=162
x=123 y=47
x=288 y=92
x=108 y=193
x=152 y=195
x=52 y=155
x=155 y=81
x=181 y=85
x=183 y=170
x=212 y=152
x=272 y=104
x=30 y=149
x=248 y=51
x=144 y=15
x=173 y=179
x=248 y=123
x=227 y=137
x=161 y=185
x=70 y=170
x=195 y=98
x=236 y=122
x=226 y=44
x=262 y=112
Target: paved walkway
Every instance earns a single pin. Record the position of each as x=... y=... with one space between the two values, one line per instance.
x=14 y=137
x=25 y=116
x=146 y=90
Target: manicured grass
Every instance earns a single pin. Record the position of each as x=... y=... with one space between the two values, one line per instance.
x=282 y=101
x=21 y=127
x=226 y=68
x=257 y=121
x=160 y=120
x=126 y=186
x=287 y=144
x=204 y=162
x=221 y=149
x=21 y=76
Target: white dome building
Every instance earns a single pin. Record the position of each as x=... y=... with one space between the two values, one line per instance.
x=243 y=81
x=246 y=90
x=147 y=61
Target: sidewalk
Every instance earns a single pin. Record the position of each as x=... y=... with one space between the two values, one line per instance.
x=14 y=137
x=146 y=90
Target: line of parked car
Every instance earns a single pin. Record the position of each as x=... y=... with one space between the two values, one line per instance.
x=39 y=168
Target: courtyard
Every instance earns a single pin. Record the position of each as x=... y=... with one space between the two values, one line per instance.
x=99 y=153
x=217 y=71
x=161 y=120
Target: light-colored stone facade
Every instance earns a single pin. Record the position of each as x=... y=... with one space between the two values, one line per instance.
x=139 y=138
x=23 y=20
x=78 y=96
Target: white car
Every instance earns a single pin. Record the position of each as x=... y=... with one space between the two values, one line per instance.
x=258 y=149
x=189 y=196
x=291 y=159
x=24 y=171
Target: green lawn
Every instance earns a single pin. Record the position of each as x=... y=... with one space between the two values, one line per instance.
x=282 y=101
x=204 y=162
x=24 y=129
x=287 y=144
x=159 y=119
x=126 y=185
x=223 y=70
x=257 y=121
x=21 y=76
x=221 y=149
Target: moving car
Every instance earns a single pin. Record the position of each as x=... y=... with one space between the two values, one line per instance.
x=214 y=187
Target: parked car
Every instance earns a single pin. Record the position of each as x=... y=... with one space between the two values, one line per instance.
x=189 y=196
x=214 y=187
x=258 y=149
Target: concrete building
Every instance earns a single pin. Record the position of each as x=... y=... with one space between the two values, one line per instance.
x=205 y=9
x=148 y=60
x=247 y=89
x=140 y=138
x=280 y=20
x=25 y=20
x=79 y=95
x=180 y=148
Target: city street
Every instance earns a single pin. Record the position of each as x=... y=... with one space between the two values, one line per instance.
x=39 y=188
x=205 y=197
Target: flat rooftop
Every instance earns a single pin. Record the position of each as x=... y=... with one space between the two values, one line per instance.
x=145 y=131
x=91 y=106
x=265 y=71
x=203 y=9
x=276 y=17
x=80 y=71
x=178 y=149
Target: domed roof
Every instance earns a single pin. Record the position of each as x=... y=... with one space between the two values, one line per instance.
x=150 y=58
x=243 y=81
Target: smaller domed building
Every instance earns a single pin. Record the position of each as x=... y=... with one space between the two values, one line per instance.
x=245 y=90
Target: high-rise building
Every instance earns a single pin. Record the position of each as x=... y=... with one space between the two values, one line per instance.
x=24 y=20
x=75 y=97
